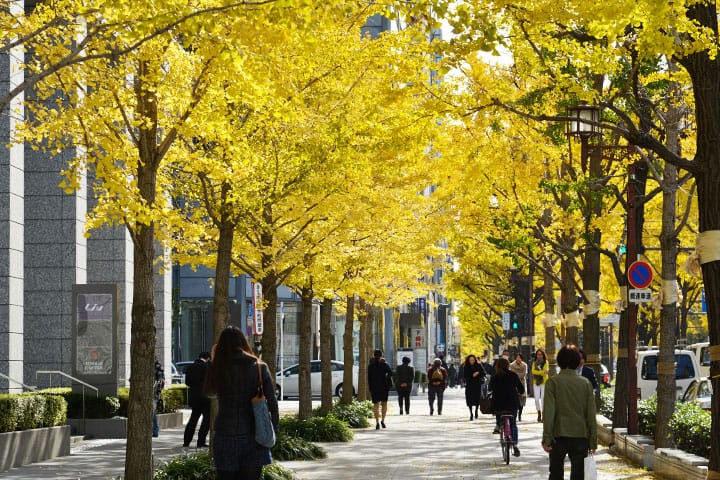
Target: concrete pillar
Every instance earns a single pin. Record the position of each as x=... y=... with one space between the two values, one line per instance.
x=11 y=224
x=110 y=260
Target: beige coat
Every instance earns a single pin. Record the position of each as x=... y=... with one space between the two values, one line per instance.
x=521 y=371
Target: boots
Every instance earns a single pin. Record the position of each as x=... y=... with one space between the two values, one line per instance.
x=471 y=414
x=476 y=409
x=539 y=417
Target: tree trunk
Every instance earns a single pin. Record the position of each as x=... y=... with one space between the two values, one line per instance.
x=620 y=403
x=138 y=453
x=221 y=294
x=591 y=269
x=666 y=392
x=304 y=385
x=325 y=355
x=569 y=301
x=363 y=360
x=549 y=320
x=704 y=71
x=348 y=357
x=138 y=456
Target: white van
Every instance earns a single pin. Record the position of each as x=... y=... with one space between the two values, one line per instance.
x=686 y=370
x=702 y=354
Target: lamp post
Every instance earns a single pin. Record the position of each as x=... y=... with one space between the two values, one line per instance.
x=585 y=125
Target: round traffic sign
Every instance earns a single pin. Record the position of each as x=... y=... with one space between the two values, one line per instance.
x=640 y=274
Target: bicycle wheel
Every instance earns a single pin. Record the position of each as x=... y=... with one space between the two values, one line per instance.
x=507 y=434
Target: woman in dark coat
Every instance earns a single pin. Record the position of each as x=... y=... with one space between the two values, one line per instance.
x=506 y=388
x=233 y=377
x=379 y=377
x=474 y=376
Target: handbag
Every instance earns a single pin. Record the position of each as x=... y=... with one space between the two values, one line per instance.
x=590 y=468
x=486 y=405
x=264 y=431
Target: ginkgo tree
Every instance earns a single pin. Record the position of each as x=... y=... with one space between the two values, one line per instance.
x=580 y=44
x=127 y=113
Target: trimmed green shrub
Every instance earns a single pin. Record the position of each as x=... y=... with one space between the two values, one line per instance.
x=647 y=416
x=172 y=400
x=200 y=467
x=607 y=402
x=690 y=425
x=31 y=410
x=355 y=414
x=288 y=447
x=317 y=429
x=9 y=412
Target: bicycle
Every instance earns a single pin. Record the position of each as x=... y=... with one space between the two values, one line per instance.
x=506 y=439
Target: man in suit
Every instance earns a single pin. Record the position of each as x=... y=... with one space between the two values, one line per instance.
x=199 y=402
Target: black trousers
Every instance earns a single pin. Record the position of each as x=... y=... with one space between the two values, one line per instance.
x=576 y=449
x=431 y=398
x=198 y=409
x=404 y=398
x=246 y=473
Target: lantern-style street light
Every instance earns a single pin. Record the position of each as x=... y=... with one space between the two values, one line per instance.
x=584 y=121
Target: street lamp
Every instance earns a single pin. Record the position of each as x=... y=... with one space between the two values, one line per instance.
x=584 y=121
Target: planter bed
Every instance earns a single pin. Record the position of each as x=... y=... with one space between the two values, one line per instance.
x=117 y=427
x=30 y=446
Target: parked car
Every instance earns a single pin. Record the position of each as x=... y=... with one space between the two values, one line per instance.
x=686 y=371
x=699 y=391
x=179 y=370
x=702 y=354
x=175 y=376
x=604 y=377
x=287 y=380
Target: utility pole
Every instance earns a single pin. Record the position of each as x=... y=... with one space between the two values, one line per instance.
x=637 y=175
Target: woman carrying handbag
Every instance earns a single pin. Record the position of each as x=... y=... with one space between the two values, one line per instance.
x=239 y=379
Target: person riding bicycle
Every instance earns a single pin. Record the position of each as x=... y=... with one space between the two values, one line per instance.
x=506 y=389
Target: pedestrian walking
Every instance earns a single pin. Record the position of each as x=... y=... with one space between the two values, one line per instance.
x=379 y=381
x=520 y=368
x=198 y=401
x=452 y=375
x=506 y=388
x=474 y=376
x=587 y=372
x=569 y=426
x=158 y=386
x=437 y=381
x=233 y=377
x=404 y=377
x=461 y=375
x=539 y=372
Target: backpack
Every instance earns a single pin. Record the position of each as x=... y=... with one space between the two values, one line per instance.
x=437 y=376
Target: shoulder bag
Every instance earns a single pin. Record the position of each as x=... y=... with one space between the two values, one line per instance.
x=264 y=432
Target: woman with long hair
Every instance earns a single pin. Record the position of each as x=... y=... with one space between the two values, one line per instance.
x=506 y=389
x=539 y=372
x=474 y=375
x=233 y=377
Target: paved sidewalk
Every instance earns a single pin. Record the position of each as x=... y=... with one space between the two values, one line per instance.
x=447 y=447
x=418 y=446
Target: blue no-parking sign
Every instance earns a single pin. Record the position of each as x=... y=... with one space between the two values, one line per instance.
x=640 y=274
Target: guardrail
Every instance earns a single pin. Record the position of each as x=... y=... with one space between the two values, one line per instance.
x=76 y=380
x=28 y=387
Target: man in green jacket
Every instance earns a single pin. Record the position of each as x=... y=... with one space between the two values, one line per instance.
x=569 y=424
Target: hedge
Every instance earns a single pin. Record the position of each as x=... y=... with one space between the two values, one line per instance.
x=172 y=400
x=200 y=467
x=31 y=410
x=355 y=414
x=690 y=424
x=317 y=429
